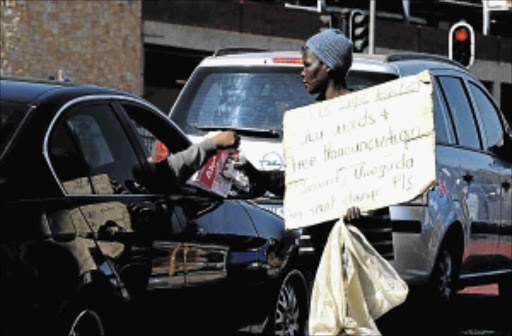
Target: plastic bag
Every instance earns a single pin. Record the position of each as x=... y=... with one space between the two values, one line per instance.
x=354 y=285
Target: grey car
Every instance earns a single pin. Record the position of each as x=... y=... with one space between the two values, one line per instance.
x=456 y=234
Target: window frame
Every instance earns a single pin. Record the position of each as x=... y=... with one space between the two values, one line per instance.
x=447 y=116
x=110 y=100
x=66 y=115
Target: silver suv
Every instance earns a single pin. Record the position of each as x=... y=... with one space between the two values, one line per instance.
x=457 y=234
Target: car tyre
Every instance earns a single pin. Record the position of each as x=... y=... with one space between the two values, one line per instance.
x=86 y=322
x=85 y=317
x=445 y=275
x=290 y=310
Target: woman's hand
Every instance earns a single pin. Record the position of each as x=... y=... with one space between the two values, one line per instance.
x=352 y=214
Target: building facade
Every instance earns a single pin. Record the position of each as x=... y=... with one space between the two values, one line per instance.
x=178 y=34
x=150 y=47
x=93 y=42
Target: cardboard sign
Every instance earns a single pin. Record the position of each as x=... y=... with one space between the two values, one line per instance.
x=371 y=148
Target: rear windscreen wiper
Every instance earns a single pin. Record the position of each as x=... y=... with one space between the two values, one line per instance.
x=256 y=132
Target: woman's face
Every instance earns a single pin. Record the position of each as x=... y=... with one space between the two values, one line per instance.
x=314 y=75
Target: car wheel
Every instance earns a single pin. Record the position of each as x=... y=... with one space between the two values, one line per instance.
x=88 y=317
x=290 y=311
x=86 y=322
x=444 y=276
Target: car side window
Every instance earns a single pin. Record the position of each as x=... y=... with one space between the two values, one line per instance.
x=153 y=129
x=159 y=139
x=444 y=127
x=460 y=111
x=492 y=127
x=91 y=153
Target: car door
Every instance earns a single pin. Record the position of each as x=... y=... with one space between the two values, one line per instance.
x=492 y=125
x=211 y=228
x=477 y=186
x=99 y=170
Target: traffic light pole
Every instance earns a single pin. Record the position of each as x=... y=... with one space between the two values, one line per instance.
x=371 y=35
x=485 y=19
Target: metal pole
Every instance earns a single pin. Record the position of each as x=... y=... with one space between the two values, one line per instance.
x=407 y=10
x=320 y=6
x=485 y=27
x=371 y=35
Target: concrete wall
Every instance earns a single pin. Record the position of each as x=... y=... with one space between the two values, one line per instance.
x=93 y=42
x=208 y=39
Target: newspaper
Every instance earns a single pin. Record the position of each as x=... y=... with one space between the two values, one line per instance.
x=215 y=176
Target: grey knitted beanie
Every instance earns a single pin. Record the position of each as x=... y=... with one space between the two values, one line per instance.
x=333 y=48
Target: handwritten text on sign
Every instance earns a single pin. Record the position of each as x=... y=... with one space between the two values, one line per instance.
x=371 y=148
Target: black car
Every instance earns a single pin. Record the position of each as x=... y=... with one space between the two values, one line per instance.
x=93 y=240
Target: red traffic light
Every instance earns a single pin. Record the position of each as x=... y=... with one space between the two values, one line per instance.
x=461 y=35
x=461 y=43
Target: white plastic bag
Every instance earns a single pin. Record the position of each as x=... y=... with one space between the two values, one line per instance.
x=354 y=285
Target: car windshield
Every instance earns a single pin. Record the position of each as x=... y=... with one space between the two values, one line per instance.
x=11 y=115
x=252 y=100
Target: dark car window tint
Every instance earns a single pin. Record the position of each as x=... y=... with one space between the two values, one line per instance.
x=11 y=115
x=67 y=161
x=154 y=128
x=159 y=139
x=100 y=146
x=444 y=129
x=493 y=129
x=461 y=112
x=150 y=143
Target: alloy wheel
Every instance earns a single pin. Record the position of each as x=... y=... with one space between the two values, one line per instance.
x=290 y=309
x=445 y=281
x=87 y=323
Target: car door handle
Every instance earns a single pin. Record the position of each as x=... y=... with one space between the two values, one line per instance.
x=505 y=186
x=467 y=177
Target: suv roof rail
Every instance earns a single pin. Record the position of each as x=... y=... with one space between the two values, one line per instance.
x=420 y=56
x=236 y=50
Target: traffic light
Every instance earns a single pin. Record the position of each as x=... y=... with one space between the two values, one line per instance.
x=461 y=43
x=359 y=30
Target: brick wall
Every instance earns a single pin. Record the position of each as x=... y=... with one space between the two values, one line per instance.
x=92 y=42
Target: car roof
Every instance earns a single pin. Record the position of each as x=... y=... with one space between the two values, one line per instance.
x=33 y=90
x=276 y=58
x=401 y=64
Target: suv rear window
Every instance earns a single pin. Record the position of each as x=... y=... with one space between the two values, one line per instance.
x=238 y=98
x=253 y=98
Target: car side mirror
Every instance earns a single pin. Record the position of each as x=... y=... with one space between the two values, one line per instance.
x=195 y=202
